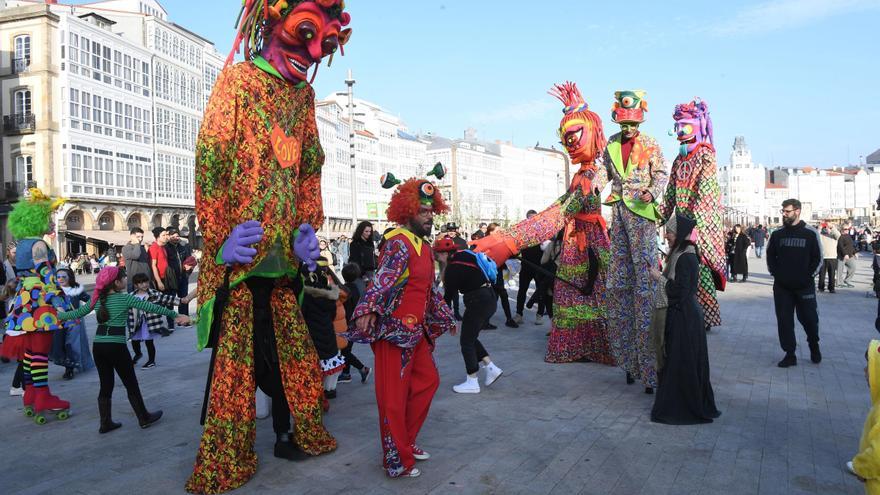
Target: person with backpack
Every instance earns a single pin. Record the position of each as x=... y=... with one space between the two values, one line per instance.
x=471 y=274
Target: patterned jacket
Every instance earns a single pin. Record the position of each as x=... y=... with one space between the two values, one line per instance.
x=155 y=322
x=647 y=170
x=693 y=190
x=383 y=297
x=258 y=157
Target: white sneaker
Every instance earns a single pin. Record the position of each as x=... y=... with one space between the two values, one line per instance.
x=493 y=373
x=539 y=319
x=16 y=391
x=518 y=319
x=412 y=473
x=469 y=386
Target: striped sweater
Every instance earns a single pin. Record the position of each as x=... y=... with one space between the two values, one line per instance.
x=118 y=304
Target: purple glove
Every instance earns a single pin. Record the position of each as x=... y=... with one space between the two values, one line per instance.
x=306 y=246
x=237 y=248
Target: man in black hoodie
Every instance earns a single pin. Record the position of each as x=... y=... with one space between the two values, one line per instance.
x=794 y=257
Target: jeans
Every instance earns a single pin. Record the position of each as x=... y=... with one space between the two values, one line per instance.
x=759 y=250
x=526 y=275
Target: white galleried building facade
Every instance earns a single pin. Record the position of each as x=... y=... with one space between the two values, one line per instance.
x=102 y=104
x=752 y=193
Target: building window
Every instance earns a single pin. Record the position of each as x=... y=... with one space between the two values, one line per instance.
x=24 y=168
x=22 y=102
x=22 y=60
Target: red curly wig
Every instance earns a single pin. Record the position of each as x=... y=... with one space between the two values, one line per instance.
x=406 y=200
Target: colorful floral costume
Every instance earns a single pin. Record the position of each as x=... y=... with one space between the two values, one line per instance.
x=579 y=314
x=633 y=239
x=693 y=191
x=259 y=161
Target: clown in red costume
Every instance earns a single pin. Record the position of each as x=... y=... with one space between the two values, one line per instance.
x=400 y=316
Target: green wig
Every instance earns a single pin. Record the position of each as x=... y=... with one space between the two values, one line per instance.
x=30 y=216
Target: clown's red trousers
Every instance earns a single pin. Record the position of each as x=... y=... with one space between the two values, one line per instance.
x=404 y=391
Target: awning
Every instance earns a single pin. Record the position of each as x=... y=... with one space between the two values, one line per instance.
x=118 y=237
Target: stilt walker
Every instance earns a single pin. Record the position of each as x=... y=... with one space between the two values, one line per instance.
x=258 y=201
x=579 y=329
x=400 y=316
x=34 y=315
x=693 y=191
x=634 y=164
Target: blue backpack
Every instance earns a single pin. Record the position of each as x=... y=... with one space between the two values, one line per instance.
x=489 y=268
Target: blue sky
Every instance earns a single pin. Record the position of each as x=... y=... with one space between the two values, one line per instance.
x=795 y=77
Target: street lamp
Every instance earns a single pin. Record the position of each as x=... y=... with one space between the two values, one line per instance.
x=349 y=81
x=564 y=157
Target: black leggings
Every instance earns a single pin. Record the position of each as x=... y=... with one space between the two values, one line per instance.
x=351 y=359
x=501 y=292
x=267 y=371
x=110 y=357
x=526 y=275
x=18 y=377
x=151 y=349
x=479 y=306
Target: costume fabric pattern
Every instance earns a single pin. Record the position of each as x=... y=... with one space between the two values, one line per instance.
x=579 y=328
x=633 y=248
x=239 y=177
x=693 y=191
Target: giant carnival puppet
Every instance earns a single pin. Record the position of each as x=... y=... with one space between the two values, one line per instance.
x=693 y=191
x=401 y=315
x=258 y=200
x=634 y=164
x=34 y=315
x=578 y=326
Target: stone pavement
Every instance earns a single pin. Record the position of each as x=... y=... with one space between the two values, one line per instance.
x=542 y=428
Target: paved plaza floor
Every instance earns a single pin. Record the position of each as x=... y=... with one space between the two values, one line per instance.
x=542 y=428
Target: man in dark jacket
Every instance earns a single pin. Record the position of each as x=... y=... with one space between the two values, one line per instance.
x=794 y=257
x=846 y=255
x=135 y=256
x=759 y=235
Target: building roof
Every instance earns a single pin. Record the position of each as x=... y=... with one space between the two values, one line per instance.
x=404 y=135
x=98 y=17
x=873 y=158
x=366 y=134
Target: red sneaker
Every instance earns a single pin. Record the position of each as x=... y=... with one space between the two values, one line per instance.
x=419 y=454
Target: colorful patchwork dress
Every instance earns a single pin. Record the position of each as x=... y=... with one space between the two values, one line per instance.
x=693 y=191
x=579 y=328
x=258 y=158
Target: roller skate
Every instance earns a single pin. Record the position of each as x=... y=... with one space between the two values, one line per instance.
x=44 y=401
x=28 y=400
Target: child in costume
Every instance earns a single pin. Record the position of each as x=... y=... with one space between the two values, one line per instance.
x=320 y=297
x=693 y=191
x=143 y=325
x=866 y=464
x=579 y=329
x=351 y=274
x=258 y=196
x=112 y=304
x=400 y=316
x=71 y=348
x=33 y=318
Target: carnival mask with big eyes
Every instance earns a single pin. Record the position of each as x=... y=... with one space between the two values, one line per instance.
x=575 y=135
x=630 y=106
x=301 y=39
x=688 y=130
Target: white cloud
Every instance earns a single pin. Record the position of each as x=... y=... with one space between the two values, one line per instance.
x=516 y=112
x=777 y=15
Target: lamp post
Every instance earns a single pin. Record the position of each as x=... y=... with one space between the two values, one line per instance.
x=564 y=157
x=349 y=81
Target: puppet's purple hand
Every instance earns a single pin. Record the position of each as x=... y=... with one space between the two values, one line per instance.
x=306 y=246
x=237 y=248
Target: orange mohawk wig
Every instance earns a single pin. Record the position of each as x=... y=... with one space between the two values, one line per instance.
x=409 y=196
